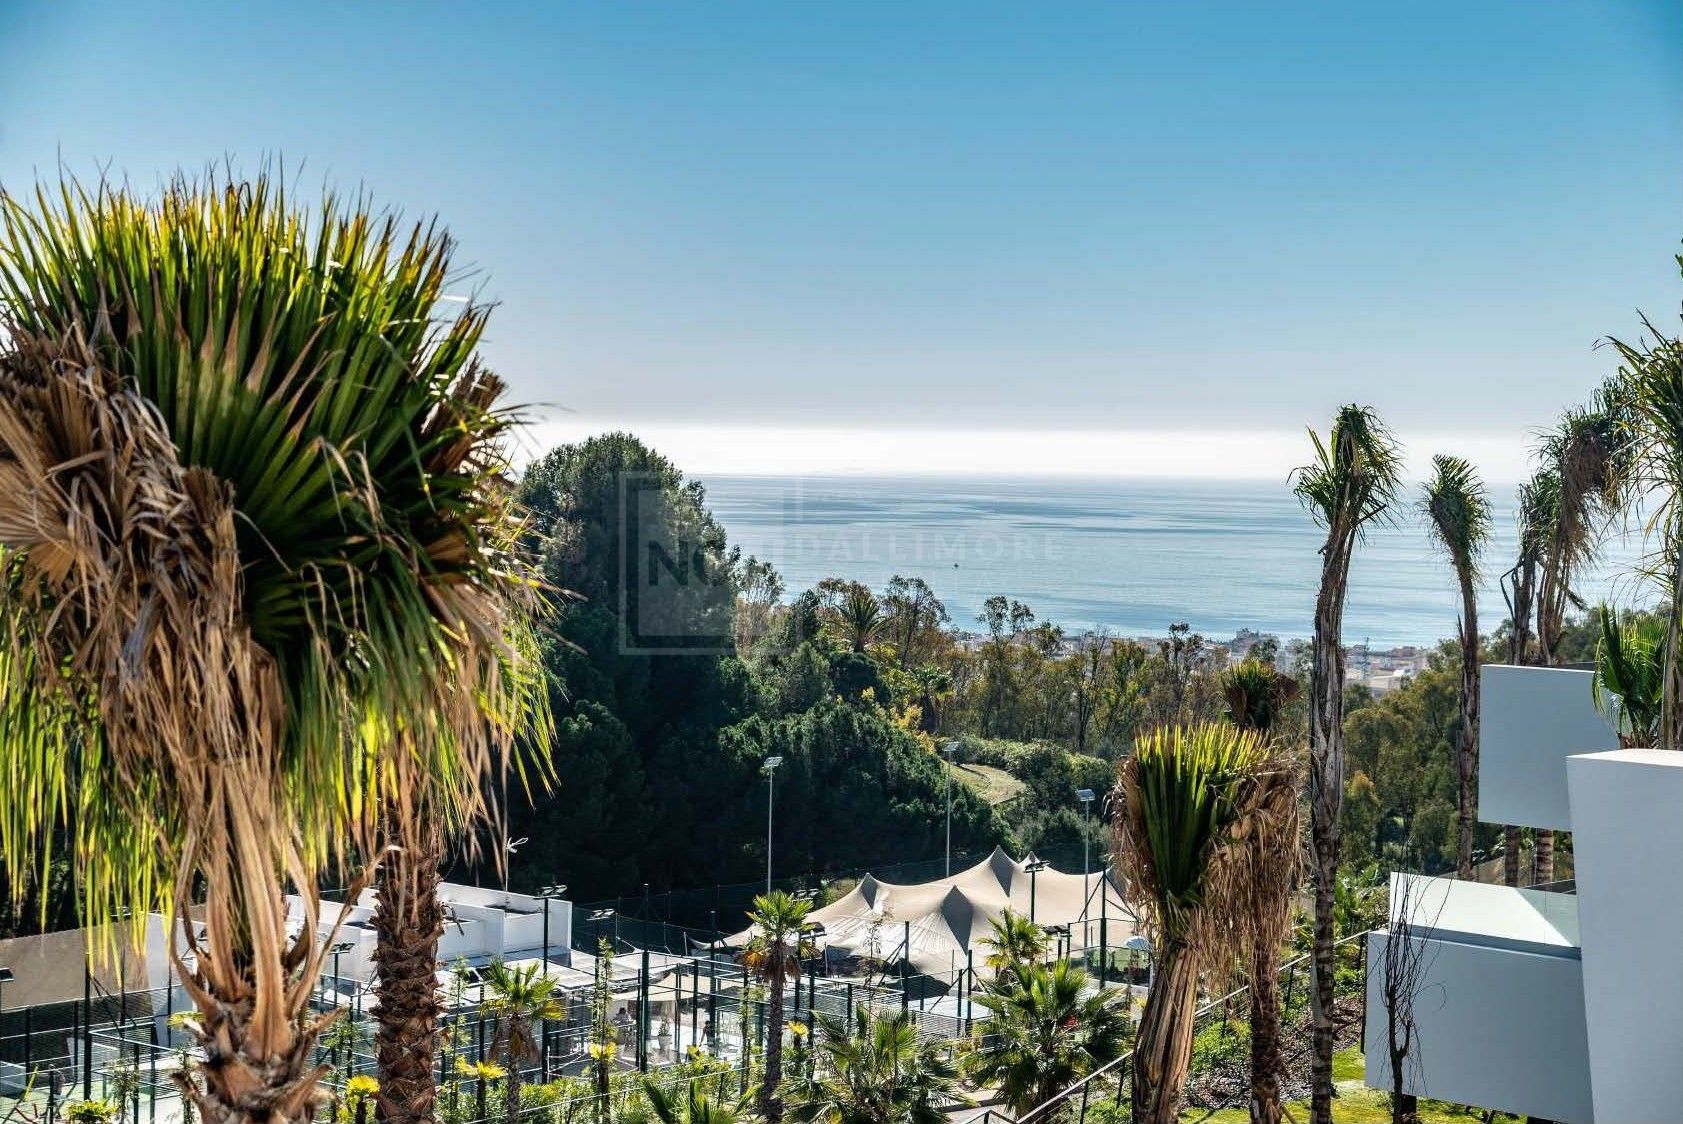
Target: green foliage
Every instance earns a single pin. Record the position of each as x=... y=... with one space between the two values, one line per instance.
x=93 y=1111
x=873 y=1070
x=1630 y=673
x=1044 y=1031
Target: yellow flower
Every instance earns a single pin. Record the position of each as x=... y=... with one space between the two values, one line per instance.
x=601 y=1050
x=798 y=1028
x=361 y=1085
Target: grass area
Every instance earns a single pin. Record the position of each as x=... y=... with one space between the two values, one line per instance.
x=996 y=786
x=1356 y=1104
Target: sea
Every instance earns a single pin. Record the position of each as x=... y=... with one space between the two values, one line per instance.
x=1129 y=556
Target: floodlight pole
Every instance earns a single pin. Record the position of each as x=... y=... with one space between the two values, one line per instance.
x=947 y=751
x=1085 y=795
x=769 y=768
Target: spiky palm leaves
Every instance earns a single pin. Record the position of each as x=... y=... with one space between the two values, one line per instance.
x=774 y=954
x=1045 y=1031
x=1188 y=801
x=1458 y=519
x=860 y=617
x=256 y=567
x=1650 y=385
x=1586 y=456
x=1352 y=482
x=1014 y=939
x=1630 y=674
x=874 y=1069
x=692 y=1106
x=1268 y=849
x=517 y=999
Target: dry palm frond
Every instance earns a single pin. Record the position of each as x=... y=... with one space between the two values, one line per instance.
x=260 y=574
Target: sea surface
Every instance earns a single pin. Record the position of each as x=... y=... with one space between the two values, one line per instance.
x=1129 y=556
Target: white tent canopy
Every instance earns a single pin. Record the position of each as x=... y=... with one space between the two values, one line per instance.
x=950 y=917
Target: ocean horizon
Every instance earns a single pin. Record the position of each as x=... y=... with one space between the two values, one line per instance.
x=1129 y=556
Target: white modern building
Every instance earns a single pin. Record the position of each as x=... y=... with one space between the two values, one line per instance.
x=1558 y=1005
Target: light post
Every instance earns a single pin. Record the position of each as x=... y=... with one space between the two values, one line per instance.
x=1085 y=795
x=769 y=768
x=549 y=894
x=598 y=916
x=1034 y=867
x=948 y=751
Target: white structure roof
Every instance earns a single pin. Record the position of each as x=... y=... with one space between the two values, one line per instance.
x=952 y=916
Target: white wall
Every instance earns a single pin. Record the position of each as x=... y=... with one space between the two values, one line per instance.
x=1627 y=813
x=1495 y=1027
x=1533 y=719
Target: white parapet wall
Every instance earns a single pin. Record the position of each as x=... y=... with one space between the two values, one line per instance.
x=1499 y=1000
x=1627 y=815
x=1533 y=719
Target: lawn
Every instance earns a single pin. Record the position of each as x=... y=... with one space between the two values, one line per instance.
x=1356 y=1104
x=996 y=786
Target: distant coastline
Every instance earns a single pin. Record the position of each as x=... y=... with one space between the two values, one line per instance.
x=1126 y=556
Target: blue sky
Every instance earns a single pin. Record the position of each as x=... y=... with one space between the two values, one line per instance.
x=708 y=221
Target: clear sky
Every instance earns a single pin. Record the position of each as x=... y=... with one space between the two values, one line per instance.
x=787 y=223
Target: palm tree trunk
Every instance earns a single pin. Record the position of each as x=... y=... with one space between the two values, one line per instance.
x=1163 y=1050
x=1671 y=686
x=512 y=1106
x=1266 y=1063
x=408 y=922
x=250 y=983
x=1466 y=758
x=771 y=1105
x=1510 y=855
x=1543 y=855
x=1326 y=798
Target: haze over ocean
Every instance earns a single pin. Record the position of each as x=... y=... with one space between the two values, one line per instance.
x=1130 y=556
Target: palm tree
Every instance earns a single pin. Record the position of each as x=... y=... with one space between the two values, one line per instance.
x=933 y=684
x=1352 y=483
x=1015 y=940
x=517 y=998
x=1181 y=801
x=252 y=525
x=1586 y=456
x=1044 y=1033
x=860 y=617
x=875 y=1070
x=774 y=955
x=1537 y=498
x=1458 y=517
x=1630 y=675
x=1269 y=852
x=1651 y=386
x=692 y=1106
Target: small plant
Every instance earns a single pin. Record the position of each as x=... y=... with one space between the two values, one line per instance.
x=360 y=1092
x=95 y=1111
x=1630 y=674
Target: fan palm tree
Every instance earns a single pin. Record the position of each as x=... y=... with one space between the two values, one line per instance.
x=773 y=955
x=518 y=998
x=1537 y=498
x=1651 y=386
x=1015 y=940
x=1458 y=518
x=875 y=1070
x=860 y=617
x=1181 y=801
x=1269 y=852
x=692 y=1106
x=1043 y=1032
x=1352 y=482
x=1630 y=675
x=254 y=536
